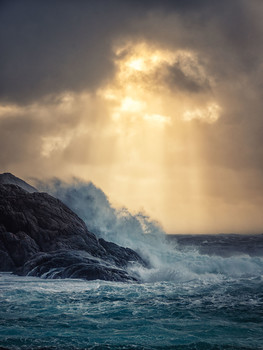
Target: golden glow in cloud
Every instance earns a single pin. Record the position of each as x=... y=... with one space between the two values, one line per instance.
x=135 y=137
x=158 y=108
x=210 y=114
x=150 y=117
x=140 y=88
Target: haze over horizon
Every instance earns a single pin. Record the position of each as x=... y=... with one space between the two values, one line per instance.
x=158 y=103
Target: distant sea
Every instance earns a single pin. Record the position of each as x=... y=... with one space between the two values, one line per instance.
x=204 y=292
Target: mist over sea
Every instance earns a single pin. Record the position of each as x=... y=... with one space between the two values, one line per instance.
x=201 y=292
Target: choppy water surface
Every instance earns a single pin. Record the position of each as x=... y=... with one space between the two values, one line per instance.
x=192 y=300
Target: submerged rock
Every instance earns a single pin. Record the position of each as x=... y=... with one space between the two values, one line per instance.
x=41 y=236
x=72 y=264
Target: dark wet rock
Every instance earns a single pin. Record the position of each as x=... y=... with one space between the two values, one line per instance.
x=41 y=236
x=119 y=254
x=72 y=264
x=8 y=178
x=6 y=263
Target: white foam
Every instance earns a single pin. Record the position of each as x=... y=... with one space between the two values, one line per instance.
x=139 y=232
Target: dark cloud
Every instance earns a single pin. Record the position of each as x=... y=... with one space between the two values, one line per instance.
x=228 y=37
x=53 y=46
x=182 y=6
x=175 y=78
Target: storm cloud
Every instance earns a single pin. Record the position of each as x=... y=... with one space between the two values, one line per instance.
x=49 y=47
x=162 y=97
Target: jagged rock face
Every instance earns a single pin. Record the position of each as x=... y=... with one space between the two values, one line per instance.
x=34 y=224
x=8 y=178
x=73 y=264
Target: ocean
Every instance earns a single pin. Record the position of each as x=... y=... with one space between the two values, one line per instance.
x=203 y=292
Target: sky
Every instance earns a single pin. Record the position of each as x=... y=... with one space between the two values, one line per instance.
x=158 y=103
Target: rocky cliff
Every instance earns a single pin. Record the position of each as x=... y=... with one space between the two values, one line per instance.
x=40 y=236
x=8 y=178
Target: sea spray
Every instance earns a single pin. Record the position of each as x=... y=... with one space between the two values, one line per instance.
x=136 y=231
x=185 y=301
x=168 y=261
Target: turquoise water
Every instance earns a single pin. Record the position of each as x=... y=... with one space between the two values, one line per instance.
x=196 y=301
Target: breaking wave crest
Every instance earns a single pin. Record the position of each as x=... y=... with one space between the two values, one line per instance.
x=168 y=260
